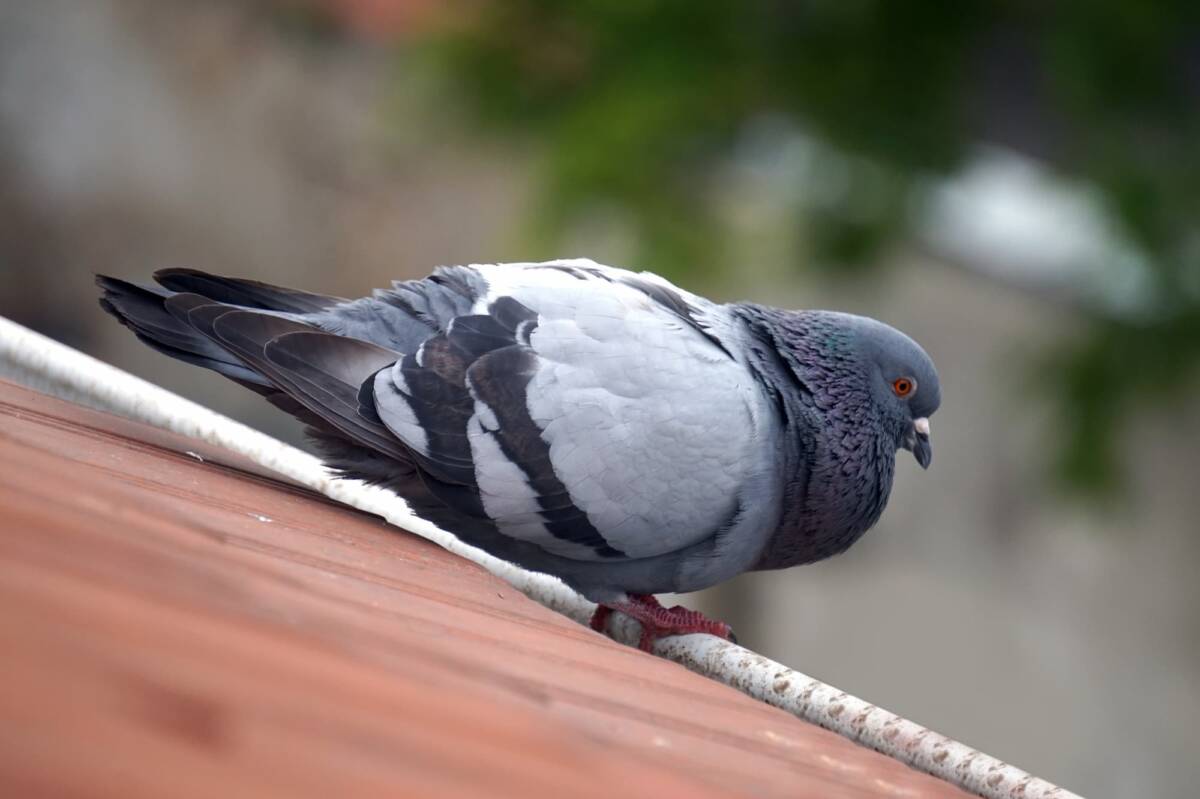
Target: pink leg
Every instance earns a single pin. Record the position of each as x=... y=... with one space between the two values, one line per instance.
x=658 y=621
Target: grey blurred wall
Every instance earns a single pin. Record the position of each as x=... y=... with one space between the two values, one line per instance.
x=138 y=134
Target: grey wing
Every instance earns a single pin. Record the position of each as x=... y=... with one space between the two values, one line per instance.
x=581 y=412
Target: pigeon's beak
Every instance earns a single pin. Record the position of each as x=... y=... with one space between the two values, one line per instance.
x=922 y=450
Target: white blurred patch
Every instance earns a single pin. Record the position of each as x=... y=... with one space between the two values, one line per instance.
x=1009 y=216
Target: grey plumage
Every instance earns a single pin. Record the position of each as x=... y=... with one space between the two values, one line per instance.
x=599 y=425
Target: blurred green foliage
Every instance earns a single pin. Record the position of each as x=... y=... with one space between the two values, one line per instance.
x=638 y=104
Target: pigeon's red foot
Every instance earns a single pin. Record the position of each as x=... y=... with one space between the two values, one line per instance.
x=658 y=622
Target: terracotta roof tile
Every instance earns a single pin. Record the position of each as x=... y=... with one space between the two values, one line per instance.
x=177 y=627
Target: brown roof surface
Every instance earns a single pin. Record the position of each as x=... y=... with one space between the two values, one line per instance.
x=173 y=627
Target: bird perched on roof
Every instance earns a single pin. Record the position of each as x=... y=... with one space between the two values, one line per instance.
x=591 y=423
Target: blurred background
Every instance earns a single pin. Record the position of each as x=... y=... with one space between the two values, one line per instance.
x=1017 y=188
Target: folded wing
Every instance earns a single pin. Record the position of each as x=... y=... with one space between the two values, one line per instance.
x=589 y=412
x=595 y=419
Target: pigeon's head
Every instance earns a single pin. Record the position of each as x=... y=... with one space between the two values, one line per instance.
x=903 y=381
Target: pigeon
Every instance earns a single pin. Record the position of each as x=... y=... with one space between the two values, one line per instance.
x=599 y=425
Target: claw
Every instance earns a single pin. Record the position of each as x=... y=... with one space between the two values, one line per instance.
x=659 y=622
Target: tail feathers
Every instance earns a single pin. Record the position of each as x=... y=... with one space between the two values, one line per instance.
x=267 y=339
x=144 y=310
x=244 y=293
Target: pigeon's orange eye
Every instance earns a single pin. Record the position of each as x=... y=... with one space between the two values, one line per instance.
x=904 y=386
